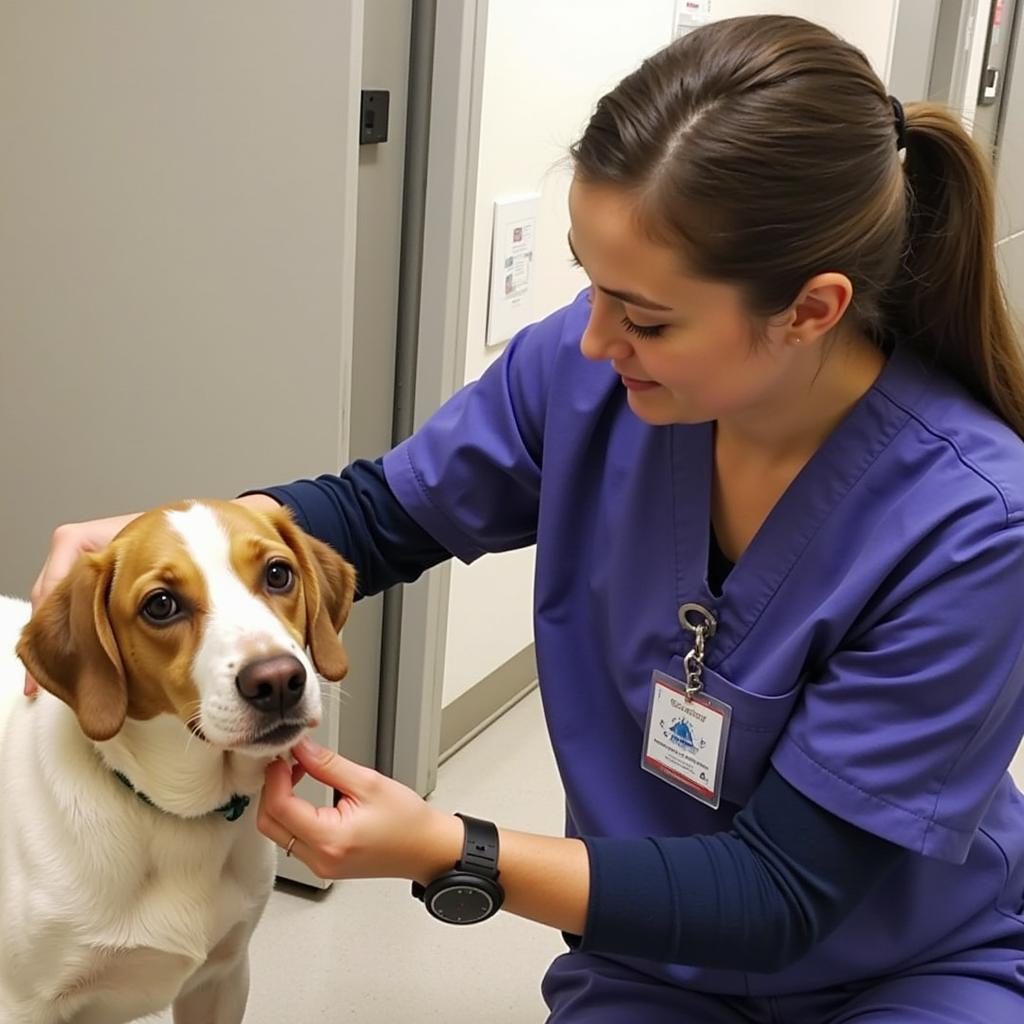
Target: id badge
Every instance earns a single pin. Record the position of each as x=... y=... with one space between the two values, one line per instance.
x=685 y=738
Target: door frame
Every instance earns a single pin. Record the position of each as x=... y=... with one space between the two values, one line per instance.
x=409 y=745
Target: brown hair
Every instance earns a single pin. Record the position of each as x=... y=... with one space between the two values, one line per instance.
x=765 y=149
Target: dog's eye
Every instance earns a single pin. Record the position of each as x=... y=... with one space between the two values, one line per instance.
x=161 y=606
x=280 y=576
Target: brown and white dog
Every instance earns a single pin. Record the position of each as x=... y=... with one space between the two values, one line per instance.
x=174 y=664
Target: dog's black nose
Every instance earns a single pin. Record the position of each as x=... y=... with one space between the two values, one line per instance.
x=272 y=684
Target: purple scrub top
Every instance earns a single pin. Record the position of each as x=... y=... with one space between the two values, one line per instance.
x=869 y=640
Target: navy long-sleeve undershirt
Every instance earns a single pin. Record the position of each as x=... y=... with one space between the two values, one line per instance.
x=755 y=898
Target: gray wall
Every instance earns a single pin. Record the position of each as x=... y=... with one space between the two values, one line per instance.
x=915 y=48
x=176 y=243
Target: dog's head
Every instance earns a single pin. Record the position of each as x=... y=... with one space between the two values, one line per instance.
x=204 y=611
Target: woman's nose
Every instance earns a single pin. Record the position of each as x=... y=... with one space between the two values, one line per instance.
x=603 y=339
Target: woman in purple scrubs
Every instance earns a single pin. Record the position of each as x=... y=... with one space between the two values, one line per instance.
x=772 y=464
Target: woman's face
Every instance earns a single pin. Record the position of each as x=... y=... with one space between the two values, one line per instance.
x=684 y=347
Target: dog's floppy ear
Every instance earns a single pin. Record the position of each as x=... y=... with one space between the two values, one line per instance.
x=329 y=585
x=69 y=647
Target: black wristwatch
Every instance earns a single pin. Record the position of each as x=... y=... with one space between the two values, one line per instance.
x=470 y=892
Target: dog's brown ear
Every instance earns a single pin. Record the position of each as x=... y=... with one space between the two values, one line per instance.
x=329 y=584
x=70 y=649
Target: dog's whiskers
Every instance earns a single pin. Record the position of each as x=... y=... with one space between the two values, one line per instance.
x=333 y=693
x=193 y=720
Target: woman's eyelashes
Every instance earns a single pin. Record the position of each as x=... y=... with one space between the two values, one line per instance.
x=640 y=330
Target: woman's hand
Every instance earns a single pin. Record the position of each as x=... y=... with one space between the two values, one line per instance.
x=378 y=829
x=68 y=544
x=381 y=829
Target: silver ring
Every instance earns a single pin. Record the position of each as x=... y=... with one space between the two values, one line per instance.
x=709 y=625
x=288 y=848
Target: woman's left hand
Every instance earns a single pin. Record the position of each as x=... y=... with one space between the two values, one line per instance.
x=378 y=828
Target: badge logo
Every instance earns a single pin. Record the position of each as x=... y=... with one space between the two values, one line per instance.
x=680 y=734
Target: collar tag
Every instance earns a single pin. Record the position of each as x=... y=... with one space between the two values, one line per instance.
x=234 y=808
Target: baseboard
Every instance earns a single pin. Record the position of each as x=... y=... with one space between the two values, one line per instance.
x=471 y=712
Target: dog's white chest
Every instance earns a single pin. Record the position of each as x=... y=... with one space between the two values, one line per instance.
x=189 y=884
x=180 y=916
x=154 y=907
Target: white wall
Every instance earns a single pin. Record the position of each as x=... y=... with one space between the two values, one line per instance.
x=547 y=63
x=868 y=24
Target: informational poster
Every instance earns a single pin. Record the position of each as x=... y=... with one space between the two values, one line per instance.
x=690 y=14
x=511 y=303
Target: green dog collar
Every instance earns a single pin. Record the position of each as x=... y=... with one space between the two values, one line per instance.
x=232 y=810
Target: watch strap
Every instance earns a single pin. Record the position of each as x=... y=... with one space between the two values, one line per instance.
x=480 y=847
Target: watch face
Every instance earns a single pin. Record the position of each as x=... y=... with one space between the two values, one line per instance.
x=462 y=904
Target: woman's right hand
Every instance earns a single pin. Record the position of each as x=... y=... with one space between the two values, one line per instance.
x=68 y=544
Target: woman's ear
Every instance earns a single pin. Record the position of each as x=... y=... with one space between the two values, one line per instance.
x=821 y=304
